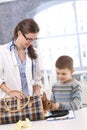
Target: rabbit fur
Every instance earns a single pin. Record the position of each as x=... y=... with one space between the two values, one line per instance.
x=47 y=104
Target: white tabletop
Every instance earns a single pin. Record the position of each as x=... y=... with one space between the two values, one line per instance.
x=79 y=123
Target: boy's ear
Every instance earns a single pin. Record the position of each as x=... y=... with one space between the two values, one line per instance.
x=72 y=70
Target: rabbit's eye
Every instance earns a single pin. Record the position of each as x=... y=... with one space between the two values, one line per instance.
x=48 y=103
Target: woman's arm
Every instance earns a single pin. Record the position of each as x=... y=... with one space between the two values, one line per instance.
x=5 y=88
x=37 y=77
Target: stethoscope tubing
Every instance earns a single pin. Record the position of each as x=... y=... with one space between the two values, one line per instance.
x=12 y=45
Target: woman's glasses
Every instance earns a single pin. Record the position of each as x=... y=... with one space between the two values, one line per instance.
x=29 y=39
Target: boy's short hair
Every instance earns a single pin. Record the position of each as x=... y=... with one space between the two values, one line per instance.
x=63 y=62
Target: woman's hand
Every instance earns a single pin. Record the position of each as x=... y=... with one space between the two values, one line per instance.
x=36 y=90
x=16 y=94
x=10 y=92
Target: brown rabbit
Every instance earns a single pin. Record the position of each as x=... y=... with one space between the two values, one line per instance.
x=47 y=104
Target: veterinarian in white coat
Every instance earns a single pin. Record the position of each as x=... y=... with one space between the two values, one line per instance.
x=20 y=52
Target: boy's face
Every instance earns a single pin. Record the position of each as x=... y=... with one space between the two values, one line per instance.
x=64 y=75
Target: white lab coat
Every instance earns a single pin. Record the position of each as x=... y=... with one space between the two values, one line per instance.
x=9 y=71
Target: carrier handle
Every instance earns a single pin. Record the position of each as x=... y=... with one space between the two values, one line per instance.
x=19 y=107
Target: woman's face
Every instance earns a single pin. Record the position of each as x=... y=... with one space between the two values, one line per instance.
x=25 y=40
x=64 y=75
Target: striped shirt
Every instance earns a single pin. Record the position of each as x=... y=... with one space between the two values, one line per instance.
x=69 y=95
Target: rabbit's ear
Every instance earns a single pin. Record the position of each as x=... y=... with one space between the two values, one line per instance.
x=44 y=97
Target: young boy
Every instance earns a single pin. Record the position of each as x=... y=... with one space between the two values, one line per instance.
x=66 y=93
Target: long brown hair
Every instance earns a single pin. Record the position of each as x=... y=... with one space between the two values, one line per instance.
x=27 y=26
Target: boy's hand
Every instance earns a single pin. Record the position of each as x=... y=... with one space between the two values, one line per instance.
x=55 y=106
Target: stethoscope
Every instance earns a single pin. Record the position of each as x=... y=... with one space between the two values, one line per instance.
x=14 y=48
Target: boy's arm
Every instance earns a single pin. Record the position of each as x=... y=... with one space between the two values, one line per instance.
x=76 y=103
x=76 y=99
